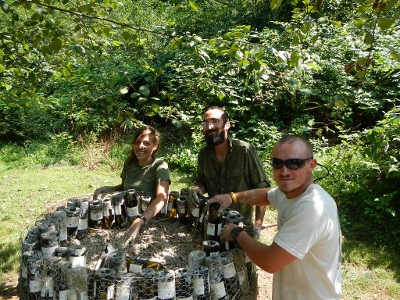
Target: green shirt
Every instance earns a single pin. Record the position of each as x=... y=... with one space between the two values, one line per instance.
x=144 y=179
x=241 y=171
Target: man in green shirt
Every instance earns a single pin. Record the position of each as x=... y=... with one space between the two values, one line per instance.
x=227 y=165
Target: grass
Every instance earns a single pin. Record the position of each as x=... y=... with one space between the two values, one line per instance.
x=26 y=190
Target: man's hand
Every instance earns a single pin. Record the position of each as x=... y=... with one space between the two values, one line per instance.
x=193 y=198
x=224 y=200
x=226 y=232
x=102 y=190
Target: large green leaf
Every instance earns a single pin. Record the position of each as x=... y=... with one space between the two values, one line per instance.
x=275 y=4
x=385 y=23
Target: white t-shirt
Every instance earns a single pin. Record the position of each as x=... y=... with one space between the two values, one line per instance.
x=308 y=228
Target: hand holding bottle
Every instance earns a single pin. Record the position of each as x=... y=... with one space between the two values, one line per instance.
x=193 y=198
x=224 y=200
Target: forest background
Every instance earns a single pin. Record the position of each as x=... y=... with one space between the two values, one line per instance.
x=77 y=77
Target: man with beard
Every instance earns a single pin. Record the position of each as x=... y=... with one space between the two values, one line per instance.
x=227 y=165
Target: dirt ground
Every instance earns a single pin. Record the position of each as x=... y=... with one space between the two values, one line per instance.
x=162 y=240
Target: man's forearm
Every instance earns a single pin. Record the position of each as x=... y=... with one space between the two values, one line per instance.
x=260 y=213
x=256 y=197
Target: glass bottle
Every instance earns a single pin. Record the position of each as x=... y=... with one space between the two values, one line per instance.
x=77 y=256
x=123 y=286
x=49 y=243
x=117 y=201
x=35 y=278
x=108 y=214
x=231 y=218
x=136 y=265
x=185 y=192
x=198 y=214
x=217 y=284
x=72 y=221
x=172 y=204
x=105 y=283
x=116 y=261
x=196 y=258
x=61 y=217
x=62 y=252
x=214 y=223
x=83 y=222
x=49 y=271
x=181 y=204
x=211 y=247
x=77 y=284
x=95 y=214
x=231 y=278
x=200 y=282
x=183 y=284
x=28 y=278
x=240 y=266
x=145 y=286
x=145 y=199
x=61 y=280
x=165 y=280
x=132 y=205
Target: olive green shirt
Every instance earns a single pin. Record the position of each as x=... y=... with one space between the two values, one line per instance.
x=144 y=179
x=241 y=171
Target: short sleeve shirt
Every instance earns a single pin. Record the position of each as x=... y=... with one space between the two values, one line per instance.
x=144 y=179
x=242 y=170
x=309 y=229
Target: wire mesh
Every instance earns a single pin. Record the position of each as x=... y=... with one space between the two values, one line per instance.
x=53 y=267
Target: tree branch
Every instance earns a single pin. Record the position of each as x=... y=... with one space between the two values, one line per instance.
x=96 y=18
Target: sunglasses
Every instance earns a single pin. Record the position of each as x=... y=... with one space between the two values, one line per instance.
x=292 y=163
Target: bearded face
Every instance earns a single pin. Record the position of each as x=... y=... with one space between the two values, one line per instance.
x=214 y=136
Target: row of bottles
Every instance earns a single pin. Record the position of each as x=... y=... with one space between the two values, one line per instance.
x=51 y=278
x=177 y=207
x=117 y=210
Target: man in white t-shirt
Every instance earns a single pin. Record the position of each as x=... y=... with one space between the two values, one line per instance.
x=305 y=255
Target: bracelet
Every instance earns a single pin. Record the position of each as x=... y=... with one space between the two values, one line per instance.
x=233 y=196
x=143 y=218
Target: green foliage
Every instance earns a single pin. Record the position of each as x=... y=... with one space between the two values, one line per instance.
x=73 y=72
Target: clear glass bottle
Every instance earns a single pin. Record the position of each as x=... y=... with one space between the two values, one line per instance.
x=165 y=285
x=117 y=261
x=217 y=284
x=61 y=280
x=183 y=284
x=105 y=283
x=145 y=287
x=200 y=282
x=49 y=243
x=61 y=216
x=35 y=278
x=77 y=256
x=231 y=278
x=83 y=222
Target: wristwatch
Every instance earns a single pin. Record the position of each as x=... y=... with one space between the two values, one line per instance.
x=235 y=232
x=143 y=218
